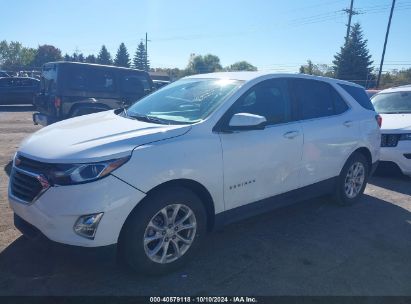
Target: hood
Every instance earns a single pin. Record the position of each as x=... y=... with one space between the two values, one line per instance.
x=96 y=137
x=394 y=123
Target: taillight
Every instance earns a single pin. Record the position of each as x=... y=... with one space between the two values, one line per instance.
x=378 y=118
x=57 y=102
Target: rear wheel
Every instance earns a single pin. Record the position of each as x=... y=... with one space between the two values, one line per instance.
x=352 y=180
x=163 y=233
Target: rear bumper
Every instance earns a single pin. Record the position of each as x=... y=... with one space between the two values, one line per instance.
x=43 y=119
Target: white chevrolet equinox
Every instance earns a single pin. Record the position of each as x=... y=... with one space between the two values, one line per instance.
x=199 y=153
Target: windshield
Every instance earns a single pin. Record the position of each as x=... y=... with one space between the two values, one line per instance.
x=185 y=101
x=396 y=102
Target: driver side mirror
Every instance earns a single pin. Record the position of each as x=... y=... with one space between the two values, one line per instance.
x=247 y=121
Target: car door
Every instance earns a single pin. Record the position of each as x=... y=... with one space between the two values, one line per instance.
x=330 y=132
x=264 y=162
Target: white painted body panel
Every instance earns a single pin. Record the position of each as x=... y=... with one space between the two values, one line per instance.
x=95 y=137
x=394 y=123
x=397 y=124
x=162 y=153
x=261 y=163
x=57 y=210
x=194 y=156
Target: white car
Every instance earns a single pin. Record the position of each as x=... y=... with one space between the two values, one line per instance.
x=394 y=106
x=201 y=152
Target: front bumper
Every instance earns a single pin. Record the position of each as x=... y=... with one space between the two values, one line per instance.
x=397 y=155
x=55 y=212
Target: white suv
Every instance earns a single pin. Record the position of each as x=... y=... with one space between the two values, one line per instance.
x=394 y=106
x=201 y=152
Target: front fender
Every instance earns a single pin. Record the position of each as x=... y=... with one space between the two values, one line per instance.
x=190 y=157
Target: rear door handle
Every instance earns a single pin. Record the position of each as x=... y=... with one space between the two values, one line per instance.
x=291 y=134
x=347 y=123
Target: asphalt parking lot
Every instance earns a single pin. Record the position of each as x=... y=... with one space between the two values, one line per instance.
x=311 y=248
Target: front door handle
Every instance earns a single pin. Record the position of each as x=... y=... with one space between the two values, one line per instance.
x=347 y=123
x=291 y=134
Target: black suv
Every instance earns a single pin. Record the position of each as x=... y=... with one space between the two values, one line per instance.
x=70 y=89
x=18 y=90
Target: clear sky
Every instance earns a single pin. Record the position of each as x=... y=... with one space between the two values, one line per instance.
x=271 y=34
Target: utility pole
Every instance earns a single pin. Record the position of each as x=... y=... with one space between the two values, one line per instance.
x=385 y=43
x=350 y=13
x=146 y=67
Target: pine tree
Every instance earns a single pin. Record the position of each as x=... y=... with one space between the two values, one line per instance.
x=122 y=57
x=104 y=56
x=91 y=59
x=80 y=57
x=140 y=60
x=353 y=62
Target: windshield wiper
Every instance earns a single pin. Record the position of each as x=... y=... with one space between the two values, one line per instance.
x=396 y=112
x=147 y=118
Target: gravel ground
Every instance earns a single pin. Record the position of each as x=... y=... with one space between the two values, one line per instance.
x=311 y=248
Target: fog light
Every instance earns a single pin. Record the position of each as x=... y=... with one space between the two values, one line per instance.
x=86 y=225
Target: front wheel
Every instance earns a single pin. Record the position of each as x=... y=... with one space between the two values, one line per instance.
x=164 y=231
x=352 y=180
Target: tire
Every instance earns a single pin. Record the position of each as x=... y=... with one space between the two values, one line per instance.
x=346 y=194
x=134 y=247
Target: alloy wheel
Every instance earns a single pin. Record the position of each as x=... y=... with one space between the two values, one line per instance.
x=354 y=180
x=170 y=233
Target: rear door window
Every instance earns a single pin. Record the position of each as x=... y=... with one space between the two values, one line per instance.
x=101 y=81
x=314 y=98
x=95 y=80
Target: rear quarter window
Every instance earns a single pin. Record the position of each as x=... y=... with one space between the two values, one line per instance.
x=133 y=84
x=91 y=80
x=359 y=95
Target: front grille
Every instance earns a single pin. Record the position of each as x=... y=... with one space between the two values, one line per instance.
x=389 y=140
x=25 y=187
x=32 y=165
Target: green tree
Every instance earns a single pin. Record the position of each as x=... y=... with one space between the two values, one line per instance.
x=67 y=57
x=122 y=57
x=199 y=64
x=396 y=78
x=46 y=53
x=13 y=56
x=91 y=59
x=241 y=66
x=308 y=68
x=104 y=56
x=316 y=69
x=80 y=57
x=353 y=62
x=27 y=57
x=140 y=60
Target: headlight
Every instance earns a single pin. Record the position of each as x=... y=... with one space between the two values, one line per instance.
x=69 y=174
x=406 y=136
